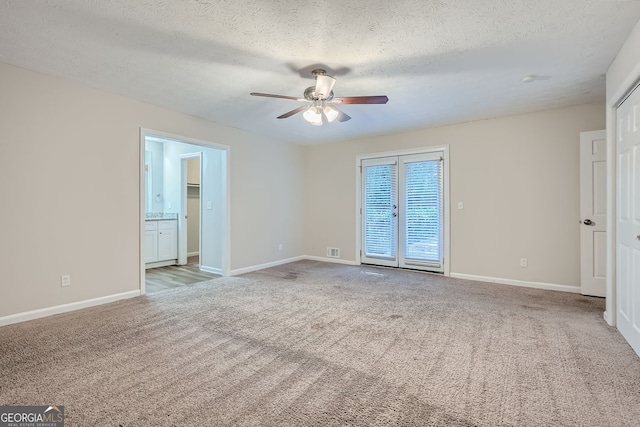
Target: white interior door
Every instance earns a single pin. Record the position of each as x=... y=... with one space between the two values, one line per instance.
x=628 y=220
x=402 y=211
x=593 y=213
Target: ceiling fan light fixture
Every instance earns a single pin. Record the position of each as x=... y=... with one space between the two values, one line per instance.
x=330 y=112
x=313 y=115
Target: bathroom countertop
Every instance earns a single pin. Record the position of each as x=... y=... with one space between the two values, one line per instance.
x=160 y=216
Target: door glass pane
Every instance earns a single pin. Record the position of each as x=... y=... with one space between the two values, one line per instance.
x=423 y=210
x=379 y=209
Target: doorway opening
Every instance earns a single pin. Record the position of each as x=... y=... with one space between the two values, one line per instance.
x=190 y=202
x=184 y=207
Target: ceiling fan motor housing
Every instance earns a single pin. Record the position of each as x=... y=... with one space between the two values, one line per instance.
x=310 y=94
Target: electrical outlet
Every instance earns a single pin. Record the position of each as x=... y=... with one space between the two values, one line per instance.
x=524 y=262
x=460 y=205
x=65 y=280
x=280 y=247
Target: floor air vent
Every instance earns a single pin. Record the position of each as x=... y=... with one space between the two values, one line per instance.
x=333 y=252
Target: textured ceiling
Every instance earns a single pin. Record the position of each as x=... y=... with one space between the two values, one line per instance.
x=439 y=62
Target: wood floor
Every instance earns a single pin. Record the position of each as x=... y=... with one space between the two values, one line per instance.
x=173 y=276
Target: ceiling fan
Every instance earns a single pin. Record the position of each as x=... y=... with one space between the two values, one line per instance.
x=322 y=101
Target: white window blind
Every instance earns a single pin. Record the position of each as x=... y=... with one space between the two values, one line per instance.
x=379 y=209
x=423 y=211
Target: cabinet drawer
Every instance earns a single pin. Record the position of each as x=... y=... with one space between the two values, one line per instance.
x=150 y=225
x=167 y=225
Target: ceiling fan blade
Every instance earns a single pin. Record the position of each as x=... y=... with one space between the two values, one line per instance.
x=342 y=117
x=324 y=86
x=361 y=100
x=292 y=112
x=269 y=95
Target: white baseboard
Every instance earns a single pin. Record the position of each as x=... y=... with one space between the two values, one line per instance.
x=521 y=283
x=213 y=270
x=160 y=264
x=244 y=270
x=193 y=253
x=49 y=311
x=327 y=259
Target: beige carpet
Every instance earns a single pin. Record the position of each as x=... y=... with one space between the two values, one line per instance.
x=318 y=344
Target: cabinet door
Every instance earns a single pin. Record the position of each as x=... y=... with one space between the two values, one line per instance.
x=167 y=244
x=150 y=246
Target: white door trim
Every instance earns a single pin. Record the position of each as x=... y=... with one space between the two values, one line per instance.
x=445 y=178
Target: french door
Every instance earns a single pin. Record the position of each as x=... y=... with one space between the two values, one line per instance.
x=402 y=211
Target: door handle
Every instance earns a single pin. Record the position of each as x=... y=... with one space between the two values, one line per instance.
x=638 y=237
x=588 y=222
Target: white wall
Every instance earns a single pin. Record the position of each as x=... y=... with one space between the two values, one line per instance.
x=625 y=68
x=82 y=188
x=518 y=177
x=623 y=73
x=213 y=190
